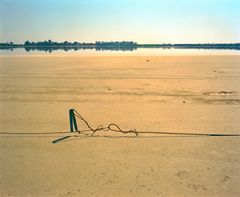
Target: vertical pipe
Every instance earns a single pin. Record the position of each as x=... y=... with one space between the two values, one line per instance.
x=71 y=115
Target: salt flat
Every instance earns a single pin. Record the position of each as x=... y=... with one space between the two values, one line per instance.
x=166 y=93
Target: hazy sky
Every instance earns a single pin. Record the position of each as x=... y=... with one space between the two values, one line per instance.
x=143 y=21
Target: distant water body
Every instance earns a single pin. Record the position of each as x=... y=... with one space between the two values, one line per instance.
x=139 y=51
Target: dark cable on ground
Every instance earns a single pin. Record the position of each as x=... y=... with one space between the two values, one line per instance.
x=118 y=129
x=114 y=128
x=110 y=127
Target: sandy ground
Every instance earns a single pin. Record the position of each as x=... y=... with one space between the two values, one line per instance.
x=176 y=94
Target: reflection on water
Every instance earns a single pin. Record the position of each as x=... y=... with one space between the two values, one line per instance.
x=91 y=50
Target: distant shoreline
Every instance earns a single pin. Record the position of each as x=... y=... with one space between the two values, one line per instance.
x=124 y=46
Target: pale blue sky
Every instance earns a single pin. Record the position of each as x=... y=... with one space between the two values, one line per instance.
x=143 y=21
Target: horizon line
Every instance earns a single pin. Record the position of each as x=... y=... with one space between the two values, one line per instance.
x=57 y=42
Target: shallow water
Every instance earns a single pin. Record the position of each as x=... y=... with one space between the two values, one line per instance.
x=137 y=52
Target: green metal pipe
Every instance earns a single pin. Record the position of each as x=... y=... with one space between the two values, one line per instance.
x=73 y=121
x=71 y=115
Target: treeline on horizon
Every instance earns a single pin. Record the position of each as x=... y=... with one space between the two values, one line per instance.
x=100 y=45
x=51 y=45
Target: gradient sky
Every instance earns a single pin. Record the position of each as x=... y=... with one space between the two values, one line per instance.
x=143 y=21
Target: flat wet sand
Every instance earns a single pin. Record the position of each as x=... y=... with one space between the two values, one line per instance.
x=198 y=94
